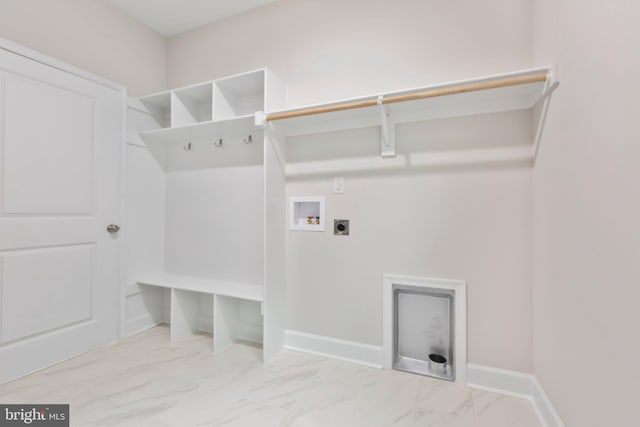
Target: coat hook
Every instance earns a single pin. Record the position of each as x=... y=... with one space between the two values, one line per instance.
x=218 y=143
x=187 y=147
x=248 y=140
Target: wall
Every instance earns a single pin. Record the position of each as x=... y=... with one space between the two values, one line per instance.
x=586 y=234
x=334 y=49
x=92 y=35
x=410 y=216
x=213 y=223
x=470 y=222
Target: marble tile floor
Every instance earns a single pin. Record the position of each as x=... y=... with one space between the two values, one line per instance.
x=142 y=381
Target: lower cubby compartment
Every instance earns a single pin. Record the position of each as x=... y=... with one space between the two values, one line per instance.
x=234 y=320
x=232 y=312
x=186 y=313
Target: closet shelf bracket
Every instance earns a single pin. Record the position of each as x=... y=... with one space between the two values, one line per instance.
x=550 y=86
x=260 y=119
x=387 y=131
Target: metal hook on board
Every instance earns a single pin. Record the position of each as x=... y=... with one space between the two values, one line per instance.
x=187 y=147
x=218 y=143
x=248 y=140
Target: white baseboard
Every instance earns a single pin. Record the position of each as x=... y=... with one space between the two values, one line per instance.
x=515 y=384
x=139 y=324
x=544 y=408
x=501 y=381
x=350 y=351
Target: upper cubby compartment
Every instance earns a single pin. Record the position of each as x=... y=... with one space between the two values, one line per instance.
x=211 y=123
x=159 y=106
x=239 y=95
x=193 y=104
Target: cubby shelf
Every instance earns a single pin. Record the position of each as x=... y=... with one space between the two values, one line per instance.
x=193 y=104
x=159 y=106
x=214 y=143
x=207 y=286
x=185 y=302
x=205 y=131
x=208 y=112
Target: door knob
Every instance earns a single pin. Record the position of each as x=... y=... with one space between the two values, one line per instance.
x=112 y=228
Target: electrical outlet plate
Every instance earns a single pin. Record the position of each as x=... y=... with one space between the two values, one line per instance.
x=338 y=185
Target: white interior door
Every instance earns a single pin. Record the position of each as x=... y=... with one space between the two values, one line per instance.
x=60 y=142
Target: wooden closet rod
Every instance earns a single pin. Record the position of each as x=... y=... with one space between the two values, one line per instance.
x=432 y=93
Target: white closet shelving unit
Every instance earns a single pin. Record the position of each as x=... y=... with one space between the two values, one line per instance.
x=224 y=214
x=222 y=146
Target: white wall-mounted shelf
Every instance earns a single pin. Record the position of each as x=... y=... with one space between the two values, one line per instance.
x=520 y=90
x=233 y=131
x=201 y=132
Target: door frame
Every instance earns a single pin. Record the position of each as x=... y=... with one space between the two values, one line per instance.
x=43 y=59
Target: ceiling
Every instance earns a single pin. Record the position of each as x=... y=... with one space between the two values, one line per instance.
x=170 y=17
